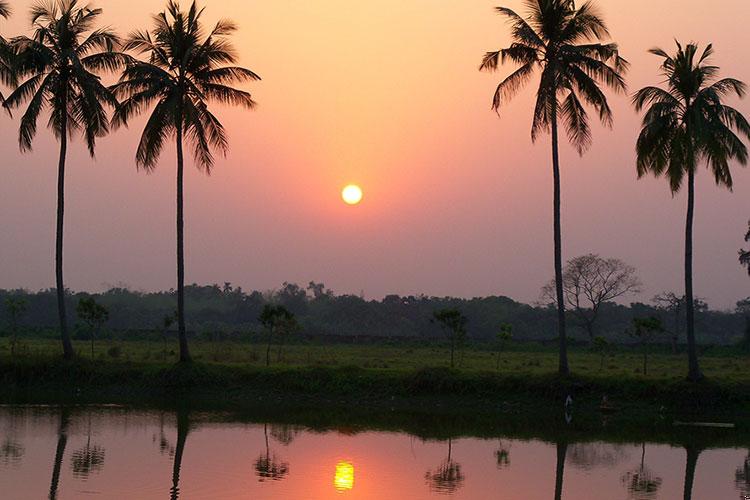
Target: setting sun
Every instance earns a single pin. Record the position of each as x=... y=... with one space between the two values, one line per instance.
x=351 y=194
x=344 y=478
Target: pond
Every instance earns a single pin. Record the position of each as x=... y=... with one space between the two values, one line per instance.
x=120 y=453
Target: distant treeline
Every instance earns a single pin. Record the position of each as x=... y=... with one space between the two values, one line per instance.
x=225 y=312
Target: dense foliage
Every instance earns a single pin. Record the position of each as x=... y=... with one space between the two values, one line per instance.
x=225 y=311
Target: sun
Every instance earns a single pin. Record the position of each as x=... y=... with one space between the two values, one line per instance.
x=351 y=194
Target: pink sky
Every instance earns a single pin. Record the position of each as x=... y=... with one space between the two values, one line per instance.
x=387 y=95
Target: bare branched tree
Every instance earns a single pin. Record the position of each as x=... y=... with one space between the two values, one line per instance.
x=589 y=281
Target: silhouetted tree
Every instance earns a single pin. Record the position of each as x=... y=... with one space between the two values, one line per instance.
x=182 y=75
x=268 y=466
x=691 y=462
x=685 y=125
x=562 y=452
x=453 y=324
x=448 y=477
x=645 y=330
x=7 y=56
x=15 y=306
x=560 y=41
x=278 y=322
x=61 y=64
x=745 y=254
x=94 y=315
x=742 y=478
x=504 y=336
x=601 y=346
x=589 y=282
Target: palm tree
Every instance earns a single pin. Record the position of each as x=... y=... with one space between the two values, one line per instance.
x=60 y=63
x=7 y=73
x=687 y=124
x=562 y=42
x=184 y=71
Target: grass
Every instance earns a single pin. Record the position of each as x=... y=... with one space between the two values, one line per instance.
x=721 y=365
x=404 y=378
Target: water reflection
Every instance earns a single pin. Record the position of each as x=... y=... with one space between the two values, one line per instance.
x=742 y=478
x=147 y=454
x=641 y=482
x=268 y=466
x=89 y=459
x=62 y=442
x=183 y=428
x=447 y=477
x=343 y=479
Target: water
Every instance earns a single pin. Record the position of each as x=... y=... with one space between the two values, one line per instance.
x=116 y=453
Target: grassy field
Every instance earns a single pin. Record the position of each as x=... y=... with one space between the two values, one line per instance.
x=717 y=364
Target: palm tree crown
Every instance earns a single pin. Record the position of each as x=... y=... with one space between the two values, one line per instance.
x=687 y=123
x=182 y=74
x=60 y=62
x=558 y=40
x=7 y=73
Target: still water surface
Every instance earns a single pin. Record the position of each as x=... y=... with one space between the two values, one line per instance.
x=114 y=453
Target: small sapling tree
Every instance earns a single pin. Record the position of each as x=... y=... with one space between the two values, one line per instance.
x=504 y=336
x=453 y=323
x=645 y=330
x=94 y=315
x=16 y=307
x=277 y=321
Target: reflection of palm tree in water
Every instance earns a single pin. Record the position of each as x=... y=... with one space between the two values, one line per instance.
x=641 y=483
x=62 y=441
x=268 y=466
x=447 y=478
x=89 y=459
x=691 y=462
x=742 y=478
x=562 y=451
x=183 y=427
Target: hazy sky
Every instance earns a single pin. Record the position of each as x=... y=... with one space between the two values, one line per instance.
x=387 y=95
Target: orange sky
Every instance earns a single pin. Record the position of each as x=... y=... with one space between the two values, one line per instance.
x=387 y=95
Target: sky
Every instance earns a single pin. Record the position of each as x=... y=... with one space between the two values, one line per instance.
x=387 y=95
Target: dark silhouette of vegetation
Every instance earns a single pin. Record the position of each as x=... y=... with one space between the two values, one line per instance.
x=561 y=42
x=562 y=453
x=453 y=324
x=745 y=254
x=94 y=315
x=602 y=347
x=7 y=56
x=673 y=305
x=183 y=72
x=589 y=282
x=448 y=477
x=742 y=478
x=685 y=125
x=504 y=336
x=692 y=453
x=278 y=322
x=16 y=307
x=60 y=64
x=268 y=466
x=89 y=459
x=645 y=330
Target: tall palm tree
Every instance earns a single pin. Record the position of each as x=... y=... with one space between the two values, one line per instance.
x=685 y=125
x=562 y=42
x=183 y=72
x=60 y=64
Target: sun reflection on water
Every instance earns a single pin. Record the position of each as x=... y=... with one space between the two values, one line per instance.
x=344 y=478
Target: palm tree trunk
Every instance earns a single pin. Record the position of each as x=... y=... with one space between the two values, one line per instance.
x=694 y=371
x=183 y=425
x=68 y=352
x=563 y=364
x=182 y=334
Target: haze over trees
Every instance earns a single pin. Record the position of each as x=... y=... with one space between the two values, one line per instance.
x=686 y=125
x=564 y=45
